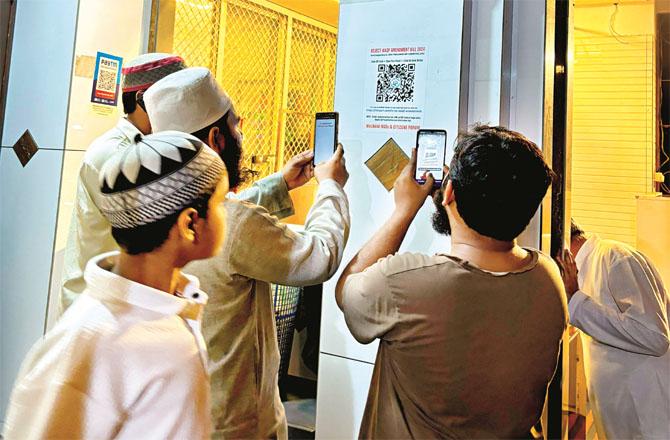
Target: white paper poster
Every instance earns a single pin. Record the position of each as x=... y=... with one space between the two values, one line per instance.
x=395 y=87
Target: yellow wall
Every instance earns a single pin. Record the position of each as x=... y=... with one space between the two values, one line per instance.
x=613 y=148
x=653 y=233
x=325 y=11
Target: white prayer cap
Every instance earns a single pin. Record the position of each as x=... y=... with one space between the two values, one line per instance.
x=188 y=100
x=158 y=175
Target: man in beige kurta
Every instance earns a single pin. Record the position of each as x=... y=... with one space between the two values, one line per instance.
x=239 y=321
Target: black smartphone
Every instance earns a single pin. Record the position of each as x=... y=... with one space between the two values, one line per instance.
x=431 y=150
x=325 y=136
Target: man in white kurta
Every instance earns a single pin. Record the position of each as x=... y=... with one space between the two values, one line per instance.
x=618 y=299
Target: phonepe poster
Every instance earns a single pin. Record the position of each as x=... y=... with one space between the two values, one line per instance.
x=395 y=87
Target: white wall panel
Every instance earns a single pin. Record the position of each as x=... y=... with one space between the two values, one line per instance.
x=39 y=73
x=339 y=416
x=526 y=100
x=95 y=26
x=438 y=25
x=28 y=202
x=343 y=378
x=37 y=98
x=485 y=62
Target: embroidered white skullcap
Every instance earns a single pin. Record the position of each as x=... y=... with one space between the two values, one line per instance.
x=143 y=71
x=188 y=100
x=156 y=176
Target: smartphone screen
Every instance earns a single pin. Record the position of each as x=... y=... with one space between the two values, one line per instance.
x=431 y=148
x=325 y=136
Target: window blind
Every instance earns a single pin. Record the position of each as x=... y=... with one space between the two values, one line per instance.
x=613 y=132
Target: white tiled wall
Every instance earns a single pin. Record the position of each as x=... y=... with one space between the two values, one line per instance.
x=345 y=383
x=29 y=199
x=41 y=196
x=37 y=98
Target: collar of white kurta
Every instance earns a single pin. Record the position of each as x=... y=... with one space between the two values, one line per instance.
x=105 y=285
x=586 y=250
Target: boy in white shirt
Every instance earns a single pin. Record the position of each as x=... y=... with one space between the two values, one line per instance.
x=127 y=360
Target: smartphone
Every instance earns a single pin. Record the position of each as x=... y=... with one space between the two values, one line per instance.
x=431 y=150
x=325 y=136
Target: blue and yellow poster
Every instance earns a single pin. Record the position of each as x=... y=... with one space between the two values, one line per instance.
x=106 y=79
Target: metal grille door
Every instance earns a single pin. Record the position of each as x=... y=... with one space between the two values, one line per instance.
x=277 y=65
x=311 y=85
x=196 y=32
x=252 y=71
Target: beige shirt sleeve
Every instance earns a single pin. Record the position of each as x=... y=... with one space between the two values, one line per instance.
x=262 y=248
x=639 y=324
x=368 y=304
x=271 y=193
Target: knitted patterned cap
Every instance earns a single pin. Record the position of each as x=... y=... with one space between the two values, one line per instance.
x=146 y=69
x=158 y=175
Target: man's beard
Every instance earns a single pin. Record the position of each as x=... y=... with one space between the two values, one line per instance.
x=232 y=158
x=440 y=219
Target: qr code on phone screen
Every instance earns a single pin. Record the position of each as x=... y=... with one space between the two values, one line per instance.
x=395 y=82
x=106 y=80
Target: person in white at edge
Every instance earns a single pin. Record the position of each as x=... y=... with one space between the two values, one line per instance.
x=89 y=233
x=239 y=323
x=616 y=296
x=127 y=360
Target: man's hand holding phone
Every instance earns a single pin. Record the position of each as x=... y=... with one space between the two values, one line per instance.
x=335 y=168
x=298 y=170
x=410 y=195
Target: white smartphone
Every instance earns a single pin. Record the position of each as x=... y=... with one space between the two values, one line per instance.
x=325 y=136
x=431 y=150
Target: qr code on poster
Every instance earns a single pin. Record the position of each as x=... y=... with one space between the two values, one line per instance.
x=106 y=80
x=395 y=82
